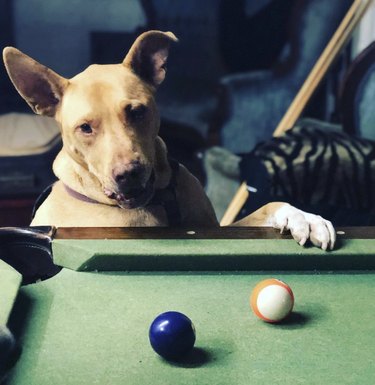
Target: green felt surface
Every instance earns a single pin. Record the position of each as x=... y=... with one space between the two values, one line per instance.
x=10 y=281
x=92 y=328
x=210 y=254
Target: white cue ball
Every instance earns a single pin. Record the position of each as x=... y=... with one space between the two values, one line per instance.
x=272 y=300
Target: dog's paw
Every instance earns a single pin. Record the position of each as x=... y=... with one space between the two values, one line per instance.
x=305 y=226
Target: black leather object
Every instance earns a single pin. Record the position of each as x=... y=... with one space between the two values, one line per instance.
x=29 y=251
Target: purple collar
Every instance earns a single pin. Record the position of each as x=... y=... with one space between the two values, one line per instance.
x=79 y=196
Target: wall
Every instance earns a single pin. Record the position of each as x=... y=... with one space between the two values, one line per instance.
x=57 y=32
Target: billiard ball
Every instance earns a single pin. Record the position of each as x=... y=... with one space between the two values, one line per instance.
x=272 y=300
x=7 y=348
x=172 y=335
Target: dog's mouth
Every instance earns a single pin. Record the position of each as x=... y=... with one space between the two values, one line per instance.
x=133 y=197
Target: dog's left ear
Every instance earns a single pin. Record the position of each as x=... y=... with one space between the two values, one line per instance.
x=148 y=56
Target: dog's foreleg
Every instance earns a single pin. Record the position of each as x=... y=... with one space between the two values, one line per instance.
x=302 y=225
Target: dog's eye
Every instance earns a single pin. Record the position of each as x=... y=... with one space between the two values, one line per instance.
x=85 y=128
x=136 y=113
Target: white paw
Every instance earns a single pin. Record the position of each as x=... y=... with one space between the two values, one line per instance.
x=304 y=226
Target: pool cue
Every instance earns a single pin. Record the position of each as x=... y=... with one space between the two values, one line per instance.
x=334 y=46
x=235 y=205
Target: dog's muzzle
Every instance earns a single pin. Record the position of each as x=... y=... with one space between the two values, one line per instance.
x=131 y=196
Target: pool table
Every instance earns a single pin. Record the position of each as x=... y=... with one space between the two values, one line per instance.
x=87 y=320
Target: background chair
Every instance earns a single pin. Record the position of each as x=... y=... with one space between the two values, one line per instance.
x=318 y=166
x=358 y=95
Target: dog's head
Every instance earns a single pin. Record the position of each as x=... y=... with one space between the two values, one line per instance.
x=107 y=113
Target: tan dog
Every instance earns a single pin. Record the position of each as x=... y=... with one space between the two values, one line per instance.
x=113 y=163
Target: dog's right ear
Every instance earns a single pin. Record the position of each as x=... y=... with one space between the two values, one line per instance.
x=148 y=56
x=38 y=85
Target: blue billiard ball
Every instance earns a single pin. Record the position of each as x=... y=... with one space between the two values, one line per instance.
x=7 y=349
x=172 y=335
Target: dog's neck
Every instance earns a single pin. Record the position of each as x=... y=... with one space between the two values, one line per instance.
x=78 y=178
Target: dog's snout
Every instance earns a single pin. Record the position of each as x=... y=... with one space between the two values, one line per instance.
x=131 y=173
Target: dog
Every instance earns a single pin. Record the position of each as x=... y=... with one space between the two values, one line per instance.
x=113 y=169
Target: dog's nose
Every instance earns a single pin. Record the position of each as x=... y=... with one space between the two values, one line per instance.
x=130 y=174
